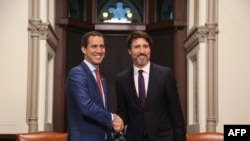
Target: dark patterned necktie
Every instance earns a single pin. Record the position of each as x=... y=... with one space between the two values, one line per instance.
x=141 y=88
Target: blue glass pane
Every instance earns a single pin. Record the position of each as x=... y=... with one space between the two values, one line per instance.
x=120 y=11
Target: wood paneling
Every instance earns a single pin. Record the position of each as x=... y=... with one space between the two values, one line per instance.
x=7 y=137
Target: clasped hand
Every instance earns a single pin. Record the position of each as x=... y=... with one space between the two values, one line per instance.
x=117 y=123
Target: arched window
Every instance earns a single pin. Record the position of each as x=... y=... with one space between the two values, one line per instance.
x=120 y=11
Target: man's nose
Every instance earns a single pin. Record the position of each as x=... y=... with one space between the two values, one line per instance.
x=141 y=49
x=99 y=49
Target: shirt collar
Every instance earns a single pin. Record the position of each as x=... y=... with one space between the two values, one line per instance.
x=91 y=67
x=145 y=68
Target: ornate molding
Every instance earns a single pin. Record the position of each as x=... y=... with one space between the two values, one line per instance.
x=34 y=27
x=44 y=31
x=199 y=34
x=211 y=30
x=48 y=34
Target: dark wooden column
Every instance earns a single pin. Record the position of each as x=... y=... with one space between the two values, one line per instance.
x=179 y=66
x=59 y=117
x=179 y=55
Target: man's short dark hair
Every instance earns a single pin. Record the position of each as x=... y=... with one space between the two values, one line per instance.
x=138 y=34
x=85 y=37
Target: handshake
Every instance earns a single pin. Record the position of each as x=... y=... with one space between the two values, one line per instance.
x=117 y=123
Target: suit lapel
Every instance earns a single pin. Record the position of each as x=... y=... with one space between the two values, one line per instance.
x=93 y=82
x=151 y=82
x=89 y=74
x=104 y=86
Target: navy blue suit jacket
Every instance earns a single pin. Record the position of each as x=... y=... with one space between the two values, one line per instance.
x=161 y=119
x=88 y=118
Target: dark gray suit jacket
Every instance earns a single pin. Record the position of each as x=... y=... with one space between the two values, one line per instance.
x=161 y=119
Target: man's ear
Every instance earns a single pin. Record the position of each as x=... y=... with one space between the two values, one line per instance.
x=129 y=51
x=83 y=49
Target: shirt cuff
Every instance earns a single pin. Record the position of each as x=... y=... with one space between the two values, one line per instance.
x=112 y=117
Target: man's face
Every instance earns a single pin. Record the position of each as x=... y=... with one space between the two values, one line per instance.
x=95 y=50
x=140 y=52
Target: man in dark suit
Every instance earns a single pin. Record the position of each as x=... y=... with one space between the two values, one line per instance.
x=88 y=117
x=150 y=107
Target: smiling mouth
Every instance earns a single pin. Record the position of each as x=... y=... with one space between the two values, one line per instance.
x=142 y=57
x=98 y=55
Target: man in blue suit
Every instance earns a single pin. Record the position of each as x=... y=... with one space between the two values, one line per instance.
x=148 y=100
x=88 y=117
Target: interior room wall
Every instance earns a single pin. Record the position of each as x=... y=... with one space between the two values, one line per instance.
x=233 y=62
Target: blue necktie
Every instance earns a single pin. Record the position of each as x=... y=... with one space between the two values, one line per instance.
x=141 y=88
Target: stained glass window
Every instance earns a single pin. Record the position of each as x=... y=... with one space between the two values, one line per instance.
x=120 y=11
x=112 y=11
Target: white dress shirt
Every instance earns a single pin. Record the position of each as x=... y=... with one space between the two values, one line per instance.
x=145 y=75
